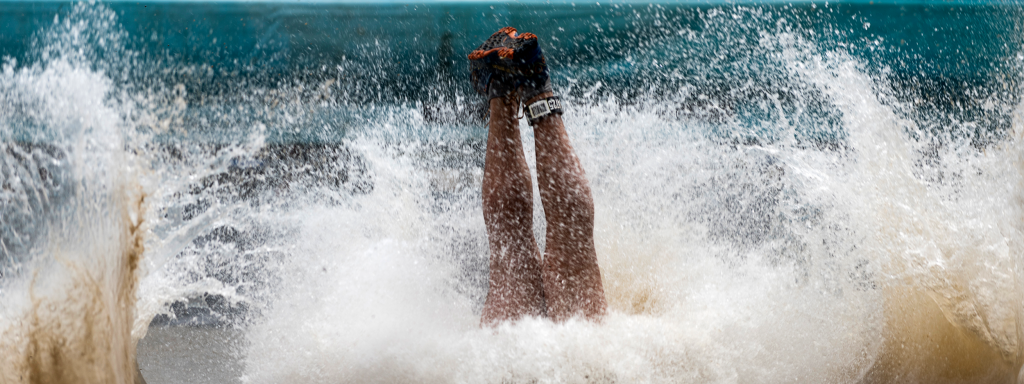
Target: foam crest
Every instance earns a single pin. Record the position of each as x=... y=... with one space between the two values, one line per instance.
x=946 y=244
x=69 y=299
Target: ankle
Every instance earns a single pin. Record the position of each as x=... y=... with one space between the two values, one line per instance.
x=507 y=103
x=539 y=97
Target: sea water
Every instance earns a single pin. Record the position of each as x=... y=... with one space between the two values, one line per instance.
x=796 y=192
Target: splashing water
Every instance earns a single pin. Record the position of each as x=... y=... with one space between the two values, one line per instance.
x=780 y=195
x=72 y=221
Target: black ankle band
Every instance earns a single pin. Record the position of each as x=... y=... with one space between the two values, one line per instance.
x=543 y=107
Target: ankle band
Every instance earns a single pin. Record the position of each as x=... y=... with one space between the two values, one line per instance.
x=543 y=107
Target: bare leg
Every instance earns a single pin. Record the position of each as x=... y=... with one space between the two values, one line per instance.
x=572 y=279
x=516 y=288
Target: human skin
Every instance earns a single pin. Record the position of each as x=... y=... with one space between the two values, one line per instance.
x=566 y=283
x=516 y=285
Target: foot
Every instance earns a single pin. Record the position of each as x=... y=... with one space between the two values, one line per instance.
x=506 y=62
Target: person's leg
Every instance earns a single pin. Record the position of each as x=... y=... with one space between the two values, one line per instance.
x=516 y=288
x=572 y=279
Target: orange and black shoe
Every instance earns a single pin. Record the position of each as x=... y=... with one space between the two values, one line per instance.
x=500 y=64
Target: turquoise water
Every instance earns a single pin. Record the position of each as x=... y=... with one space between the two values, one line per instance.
x=290 y=192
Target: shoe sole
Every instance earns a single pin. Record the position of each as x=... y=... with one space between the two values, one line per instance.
x=504 y=52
